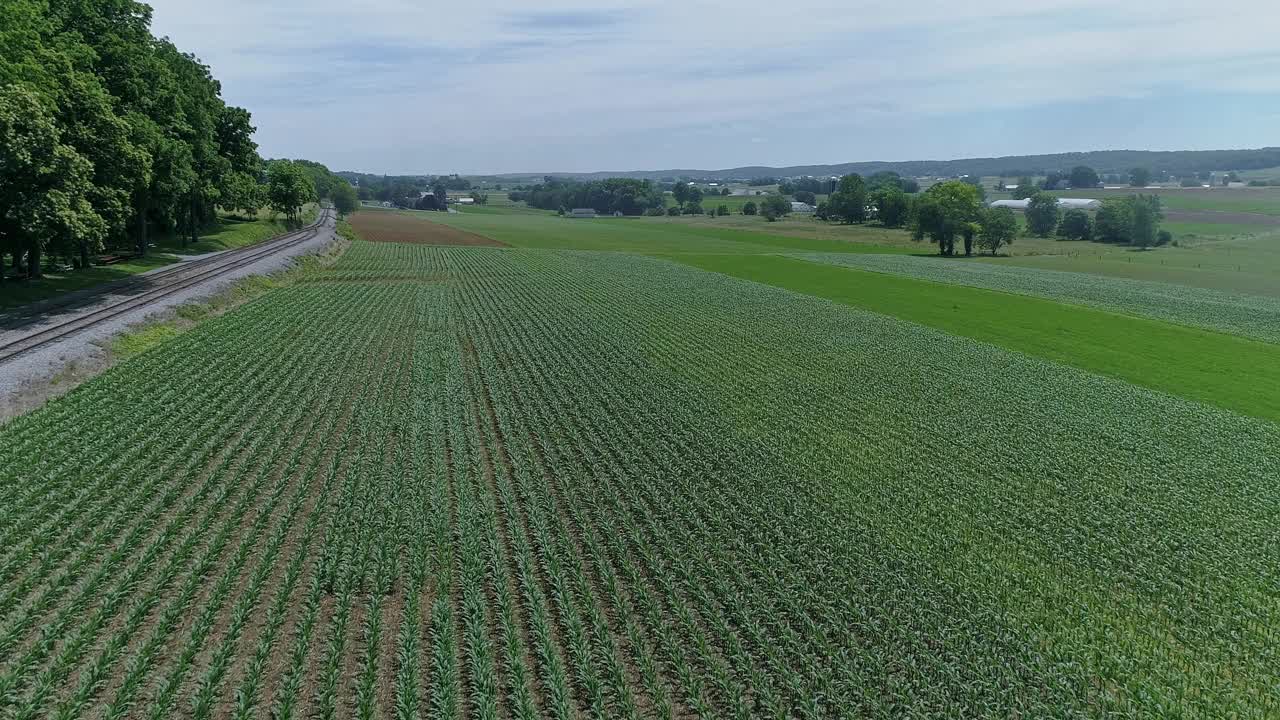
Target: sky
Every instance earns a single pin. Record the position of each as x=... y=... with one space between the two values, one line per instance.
x=504 y=86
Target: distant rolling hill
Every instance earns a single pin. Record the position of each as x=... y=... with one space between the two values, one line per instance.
x=1104 y=161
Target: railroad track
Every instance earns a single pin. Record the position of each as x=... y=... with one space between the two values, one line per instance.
x=170 y=281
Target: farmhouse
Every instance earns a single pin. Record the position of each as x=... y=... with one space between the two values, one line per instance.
x=800 y=207
x=1063 y=203
x=582 y=213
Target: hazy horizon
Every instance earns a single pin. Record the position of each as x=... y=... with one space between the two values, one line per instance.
x=391 y=88
x=828 y=161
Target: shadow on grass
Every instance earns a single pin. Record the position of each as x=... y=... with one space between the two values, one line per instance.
x=15 y=295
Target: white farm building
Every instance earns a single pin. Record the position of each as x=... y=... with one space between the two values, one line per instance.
x=802 y=208
x=1063 y=203
x=582 y=213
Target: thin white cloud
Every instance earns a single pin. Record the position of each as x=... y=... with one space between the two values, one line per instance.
x=399 y=81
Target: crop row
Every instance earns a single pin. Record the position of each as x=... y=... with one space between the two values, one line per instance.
x=493 y=483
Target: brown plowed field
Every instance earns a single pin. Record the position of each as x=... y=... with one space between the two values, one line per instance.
x=394 y=227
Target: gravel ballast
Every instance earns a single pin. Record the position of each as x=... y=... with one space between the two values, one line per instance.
x=29 y=379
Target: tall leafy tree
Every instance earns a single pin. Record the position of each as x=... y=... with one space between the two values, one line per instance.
x=1147 y=214
x=345 y=200
x=1114 y=222
x=243 y=193
x=1076 y=225
x=999 y=227
x=1083 y=176
x=945 y=213
x=1139 y=177
x=775 y=206
x=893 y=206
x=849 y=201
x=1042 y=214
x=288 y=188
x=680 y=191
x=1025 y=189
x=144 y=139
x=44 y=184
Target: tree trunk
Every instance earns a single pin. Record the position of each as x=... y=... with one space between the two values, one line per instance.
x=33 y=262
x=142 y=226
x=195 y=227
x=968 y=247
x=84 y=256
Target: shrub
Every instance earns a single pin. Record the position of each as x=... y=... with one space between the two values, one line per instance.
x=1042 y=214
x=774 y=207
x=1076 y=225
x=749 y=208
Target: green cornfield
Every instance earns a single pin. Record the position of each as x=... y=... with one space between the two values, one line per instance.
x=498 y=483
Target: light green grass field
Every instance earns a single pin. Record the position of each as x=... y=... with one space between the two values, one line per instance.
x=1252 y=316
x=1245 y=264
x=647 y=235
x=1227 y=257
x=1226 y=371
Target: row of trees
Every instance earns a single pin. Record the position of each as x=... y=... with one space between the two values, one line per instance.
x=854 y=199
x=1085 y=177
x=1133 y=220
x=953 y=212
x=627 y=196
x=395 y=189
x=108 y=134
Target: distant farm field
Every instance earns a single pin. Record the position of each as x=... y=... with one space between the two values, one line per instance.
x=402 y=227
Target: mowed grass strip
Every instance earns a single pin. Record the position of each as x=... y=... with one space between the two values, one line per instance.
x=648 y=236
x=1234 y=373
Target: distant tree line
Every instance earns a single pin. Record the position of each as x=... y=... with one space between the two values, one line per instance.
x=109 y=134
x=1175 y=163
x=629 y=197
x=953 y=212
